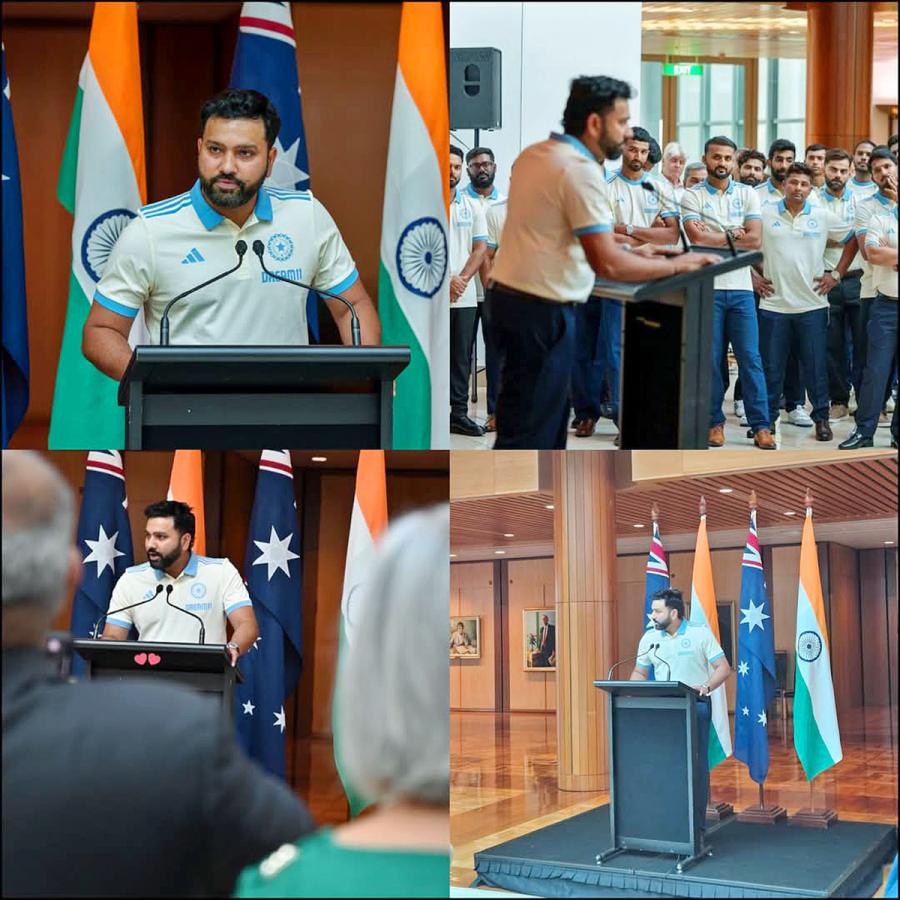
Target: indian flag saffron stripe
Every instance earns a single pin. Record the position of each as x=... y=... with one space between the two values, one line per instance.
x=817 y=738
x=368 y=520
x=703 y=612
x=102 y=182
x=186 y=485
x=413 y=278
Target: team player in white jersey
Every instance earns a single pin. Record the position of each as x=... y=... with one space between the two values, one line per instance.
x=862 y=184
x=175 y=244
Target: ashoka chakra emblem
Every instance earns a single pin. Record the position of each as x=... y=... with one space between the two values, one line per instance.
x=422 y=256
x=809 y=646
x=100 y=238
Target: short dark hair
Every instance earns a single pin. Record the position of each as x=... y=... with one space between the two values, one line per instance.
x=233 y=103
x=672 y=598
x=779 y=145
x=882 y=152
x=864 y=141
x=477 y=151
x=655 y=154
x=641 y=134
x=751 y=154
x=720 y=141
x=799 y=168
x=180 y=513
x=455 y=151
x=591 y=94
x=838 y=153
x=814 y=147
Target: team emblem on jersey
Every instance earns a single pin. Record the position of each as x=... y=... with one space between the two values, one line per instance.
x=685 y=642
x=809 y=646
x=100 y=237
x=198 y=590
x=422 y=256
x=280 y=247
x=149 y=594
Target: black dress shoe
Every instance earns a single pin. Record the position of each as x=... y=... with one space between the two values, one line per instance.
x=823 y=431
x=855 y=442
x=464 y=425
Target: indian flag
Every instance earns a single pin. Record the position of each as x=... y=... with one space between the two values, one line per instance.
x=816 y=735
x=413 y=282
x=368 y=520
x=103 y=184
x=703 y=612
x=186 y=485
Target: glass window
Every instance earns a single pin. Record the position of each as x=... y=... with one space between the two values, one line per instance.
x=762 y=98
x=793 y=131
x=689 y=138
x=791 y=89
x=721 y=93
x=690 y=98
x=762 y=137
x=650 y=109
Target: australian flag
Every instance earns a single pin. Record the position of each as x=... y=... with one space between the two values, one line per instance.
x=272 y=572
x=265 y=60
x=15 y=318
x=756 y=663
x=104 y=539
x=657 y=580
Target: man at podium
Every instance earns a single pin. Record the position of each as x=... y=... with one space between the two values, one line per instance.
x=178 y=594
x=683 y=652
x=184 y=242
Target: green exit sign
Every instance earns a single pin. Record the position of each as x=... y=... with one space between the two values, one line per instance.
x=682 y=69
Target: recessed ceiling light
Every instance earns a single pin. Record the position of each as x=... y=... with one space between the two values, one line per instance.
x=638 y=525
x=452 y=556
x=509 y=534
x=320 y=459
x=499 y=552
x=889 y=543
x=549 y=506
x=790 y=512
x=726 y=490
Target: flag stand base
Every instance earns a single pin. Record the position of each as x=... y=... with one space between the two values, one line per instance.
x=813 y=818
x=715 y=812
x=762 y=815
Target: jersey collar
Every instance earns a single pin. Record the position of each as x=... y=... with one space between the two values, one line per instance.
x=864 y=184
x=574 y=142
x=190 y=567
x=625 y=178
x=712 y=190
x=210 y=218
x=782 y=208
x=470 y=190
x=825 y=194
x=884 y=201
x=682 y=628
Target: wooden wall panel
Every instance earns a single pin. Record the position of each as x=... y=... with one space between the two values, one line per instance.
x=531 y=585
x=844 y=628
x=892 y=571
x=630 y=585
x=874 y=604
x=783 y=595
x=472 y=681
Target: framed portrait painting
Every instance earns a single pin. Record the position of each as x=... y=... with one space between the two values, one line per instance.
x=539 y=640
x=465 y=637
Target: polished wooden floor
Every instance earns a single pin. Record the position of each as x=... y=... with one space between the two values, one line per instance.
x=503 y=778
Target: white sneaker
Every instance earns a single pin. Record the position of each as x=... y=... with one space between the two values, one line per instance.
x=799 y=416
x=739 y=409
x=891 y=403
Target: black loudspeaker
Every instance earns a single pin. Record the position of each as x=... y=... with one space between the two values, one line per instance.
x=475 y=88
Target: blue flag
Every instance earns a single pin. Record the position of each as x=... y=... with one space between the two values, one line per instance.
x=657 y=580
x=756 y=663
x=272 y=572
x=104 y=539
x=265 y=60
x=15 y=318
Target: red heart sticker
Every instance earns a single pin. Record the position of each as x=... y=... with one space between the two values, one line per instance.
x=140 y=658
x=153 y=659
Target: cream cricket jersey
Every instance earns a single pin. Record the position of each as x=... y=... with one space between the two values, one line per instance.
x=793 y=254
x=180 y=242
x=876 y=204
x=862 y=190
x=769 y=194
x=883 y=227
x=689 y=652
x=486 y=202
x=467 y=225
x=733 y=207
x=495 y=218
x=558 y=193
x=844 y=207
x=207 y=587
x=633 y=205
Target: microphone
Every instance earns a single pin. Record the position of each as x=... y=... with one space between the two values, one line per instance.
x=169 y=589
x=159 y=588
x=647 y=186
x=259 y=249
x=619 y=663
x=655 y=648
x=240 y=248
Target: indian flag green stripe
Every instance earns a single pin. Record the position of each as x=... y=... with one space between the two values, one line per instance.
x=811 y=749
x=68 y=172
x=716 y=752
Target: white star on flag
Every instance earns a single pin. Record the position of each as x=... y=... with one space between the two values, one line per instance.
x=754 y=616
x=279 y=720
x=285 y=173
x=745 y=711
x=762 y=718
x=248 y=708
x=743 y=668
x=649 y=618
x=275 y=554
x=103 y=552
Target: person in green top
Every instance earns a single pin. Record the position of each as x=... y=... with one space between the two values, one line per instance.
x=392 y=716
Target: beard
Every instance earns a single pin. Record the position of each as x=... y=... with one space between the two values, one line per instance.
x=721 y=171
x=778 y=177
x=482 y=179
x=634 y=165
x=453 y=182
x=750 y=180
x=163 y=562
x=244 y=192
x=835 y=185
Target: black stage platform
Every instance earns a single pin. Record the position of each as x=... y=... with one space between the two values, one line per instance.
x=747 y=861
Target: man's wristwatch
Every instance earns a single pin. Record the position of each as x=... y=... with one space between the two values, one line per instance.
x=629 y=230
x=706 y=688
x=835 y=275
x=234 y=646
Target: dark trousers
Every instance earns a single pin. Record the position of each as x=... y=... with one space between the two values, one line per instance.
x=806 y=334
x=536 y=343
x=865 y=307
x=590 y=360
x=701 y=798
x=845 y=322
x=462 y=328
x=882 y=347
x=491 y=364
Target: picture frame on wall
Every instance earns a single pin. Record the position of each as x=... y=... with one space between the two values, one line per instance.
x=539 y=640
x=465 y=637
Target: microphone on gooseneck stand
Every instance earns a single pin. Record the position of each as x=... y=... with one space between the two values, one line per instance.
x=240 y=248
x=684 y=242
x=159 y=588
x=259 y=249
x=659 y=659
x=169 y=589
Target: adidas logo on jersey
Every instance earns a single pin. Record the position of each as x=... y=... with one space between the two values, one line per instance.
x=193 y=257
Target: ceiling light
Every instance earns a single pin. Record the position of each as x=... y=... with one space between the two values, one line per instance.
x=509 y=534
x=726 y=490
x=320 y=459
x=499 y=552
x=638 y=525
x=549 y=506
x=790 y=512
x=452 y=556
x=889 y=543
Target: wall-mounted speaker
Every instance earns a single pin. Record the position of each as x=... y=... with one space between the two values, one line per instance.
x=475 y=88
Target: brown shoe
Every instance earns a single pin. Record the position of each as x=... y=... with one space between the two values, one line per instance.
x=491 y=424
x=764 y=439
x=823 y=431
x=717 y=436
x=839 y=411
x=585 y=428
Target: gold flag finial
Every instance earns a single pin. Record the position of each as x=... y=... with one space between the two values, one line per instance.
x=654 y=512
x=753 y=499
x=702 y=505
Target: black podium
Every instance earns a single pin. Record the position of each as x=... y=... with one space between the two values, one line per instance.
x=654 y=756
x=205 y=668
x=251 y=398
x=667 y=353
